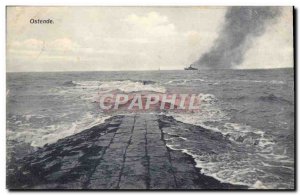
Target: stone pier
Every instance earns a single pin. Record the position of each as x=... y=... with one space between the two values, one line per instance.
x=126 y=152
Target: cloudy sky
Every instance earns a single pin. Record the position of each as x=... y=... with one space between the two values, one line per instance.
x=131 y=38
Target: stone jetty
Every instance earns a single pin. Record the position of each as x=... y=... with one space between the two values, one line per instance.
x=125 y=152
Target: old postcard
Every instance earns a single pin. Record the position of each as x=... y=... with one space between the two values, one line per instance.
x=188 y=98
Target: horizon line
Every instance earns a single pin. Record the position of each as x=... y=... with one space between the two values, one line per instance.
x=150 y=70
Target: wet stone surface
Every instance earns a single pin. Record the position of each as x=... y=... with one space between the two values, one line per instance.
x=125 y=152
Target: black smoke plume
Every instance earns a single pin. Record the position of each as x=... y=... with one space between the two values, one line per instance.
x=242 y=26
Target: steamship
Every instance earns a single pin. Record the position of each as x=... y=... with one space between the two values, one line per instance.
x=190 y=68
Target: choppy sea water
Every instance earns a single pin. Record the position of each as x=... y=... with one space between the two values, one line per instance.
x=254 y=109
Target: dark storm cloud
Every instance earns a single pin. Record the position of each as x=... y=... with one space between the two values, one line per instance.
x=242 y=26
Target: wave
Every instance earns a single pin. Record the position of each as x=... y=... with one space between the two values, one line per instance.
x=123 y=85
x=249 y=147
x=38 y=129
x=97 y=83
x=238 y=98
x=130 y=86
x=27 y=130
x=145 y=82
x=217 y=82
x=274 y=99
x=275 y=82
x=69 y=84
x=183 y=81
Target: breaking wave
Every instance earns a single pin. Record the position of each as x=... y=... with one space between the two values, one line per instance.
x=124 y=86
x=38 y=130
x=274 y=99
x=250 y=148
x=184 y=81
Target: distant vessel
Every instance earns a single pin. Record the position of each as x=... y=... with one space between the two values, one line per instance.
x=190 y=68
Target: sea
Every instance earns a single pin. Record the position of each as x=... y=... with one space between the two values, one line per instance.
x=254 y=109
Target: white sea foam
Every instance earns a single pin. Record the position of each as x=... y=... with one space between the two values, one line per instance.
x=30 y=128
x=130 y=86
x=39 y=136
x=125 y=86
x=276 y=82
x=183 y=81
x=216 y=82
x=228 y=167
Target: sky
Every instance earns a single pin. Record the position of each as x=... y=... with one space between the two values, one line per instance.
x=132 y=38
